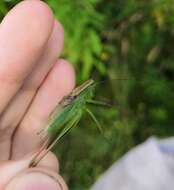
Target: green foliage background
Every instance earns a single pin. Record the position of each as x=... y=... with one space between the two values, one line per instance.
x=129 y=45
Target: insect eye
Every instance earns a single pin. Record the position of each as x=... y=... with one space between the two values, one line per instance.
x=74 y=97
x=71 y=98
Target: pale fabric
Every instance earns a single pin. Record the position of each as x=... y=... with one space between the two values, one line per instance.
x=149 y=166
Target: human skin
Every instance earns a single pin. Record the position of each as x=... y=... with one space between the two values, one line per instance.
x=33 y=79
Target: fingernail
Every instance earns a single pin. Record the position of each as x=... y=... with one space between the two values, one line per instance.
x=34 y=181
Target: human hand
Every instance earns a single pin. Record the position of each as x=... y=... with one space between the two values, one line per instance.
x=32 y=81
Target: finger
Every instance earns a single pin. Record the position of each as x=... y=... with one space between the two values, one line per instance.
x=48 y=59
x=50 y=161
x=20 y=103
x=23 y=35
x=10 y=169
x=58 y=83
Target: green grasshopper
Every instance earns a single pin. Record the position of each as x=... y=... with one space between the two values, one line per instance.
x=66 y=115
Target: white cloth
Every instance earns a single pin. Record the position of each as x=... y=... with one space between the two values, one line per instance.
x=149 y=166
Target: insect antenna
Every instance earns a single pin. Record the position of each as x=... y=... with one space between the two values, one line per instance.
x=117 y=79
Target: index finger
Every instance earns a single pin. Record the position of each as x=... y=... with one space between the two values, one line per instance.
x=23 y=35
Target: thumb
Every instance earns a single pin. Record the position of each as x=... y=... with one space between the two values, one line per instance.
x=15 y=175
x=36 y=179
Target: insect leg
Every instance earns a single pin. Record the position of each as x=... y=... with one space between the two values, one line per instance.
x=42 y=153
